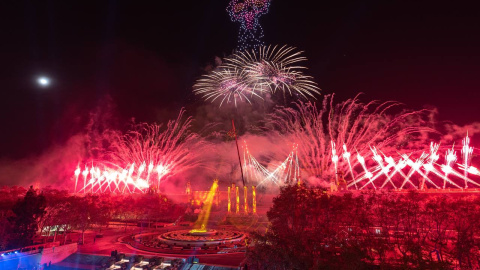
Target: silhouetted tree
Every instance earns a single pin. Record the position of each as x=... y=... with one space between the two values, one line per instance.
x=465 y=222
x=311 y=230
x=89 y=210
x=27 y=212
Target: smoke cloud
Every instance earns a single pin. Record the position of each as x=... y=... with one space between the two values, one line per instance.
x=55 y=166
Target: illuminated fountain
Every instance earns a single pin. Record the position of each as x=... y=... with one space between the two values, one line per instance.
x=245 y=200
x=237 y=196
x=254 y=200
x=200 y=227
x=200 y=235
x=229 y=201
x=246 y=208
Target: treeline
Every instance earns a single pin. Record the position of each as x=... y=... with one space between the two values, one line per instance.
x=311 y=229
x=27 y=216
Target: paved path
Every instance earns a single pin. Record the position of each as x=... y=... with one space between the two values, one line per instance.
x=110 y=241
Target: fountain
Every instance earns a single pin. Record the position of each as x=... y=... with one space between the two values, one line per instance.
x=200 y=235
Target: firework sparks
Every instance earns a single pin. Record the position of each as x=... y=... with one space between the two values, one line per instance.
x=427 y=162
x=466 y=154
x=375 y=136
x=346 y=157
x=77 y=173
x=275 y=69
x=286 y=173
x=350 y=123
x=227 y=86
x=246 y=76
x=115 y=179
x=166 y=151
x=450 y=158
x=335 y=160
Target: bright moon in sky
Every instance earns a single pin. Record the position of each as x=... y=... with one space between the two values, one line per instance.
x=43 y=81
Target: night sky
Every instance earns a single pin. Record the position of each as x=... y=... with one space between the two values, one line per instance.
x=147 y=54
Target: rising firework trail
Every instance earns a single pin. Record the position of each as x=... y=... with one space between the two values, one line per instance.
x=450 y=158
x=77 y=174
x=335 y=161
x=346 y=156
x=466 y=155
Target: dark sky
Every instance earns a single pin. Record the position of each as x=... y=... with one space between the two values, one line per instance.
x=147 y=54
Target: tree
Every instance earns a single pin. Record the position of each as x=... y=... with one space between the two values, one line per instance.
x=465 y=223
x=311 y=229
x=124 y=209
x=27 y=212
x=89 y=210
x=308 y=231
x=438 y=215
x=8 y=198
x=55 y=211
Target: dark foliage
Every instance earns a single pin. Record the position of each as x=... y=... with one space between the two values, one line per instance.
x=27 y=217
x=311 y=229
x=24 y=221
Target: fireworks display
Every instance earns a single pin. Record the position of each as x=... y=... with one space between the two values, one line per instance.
x=353 y=124
x=362 y=146
x=340 y=184
x=246 y=76
x=143 y=158
x=403 y=171
x=351 y=145
x=101 y=178
x=417 y=171
x=287 y=172
x=248 y=13
x=274 y=68
x=230 y=86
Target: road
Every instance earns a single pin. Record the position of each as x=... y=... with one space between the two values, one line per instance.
x=110 y=241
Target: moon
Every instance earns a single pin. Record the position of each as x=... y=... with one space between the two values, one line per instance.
x=43 y=81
